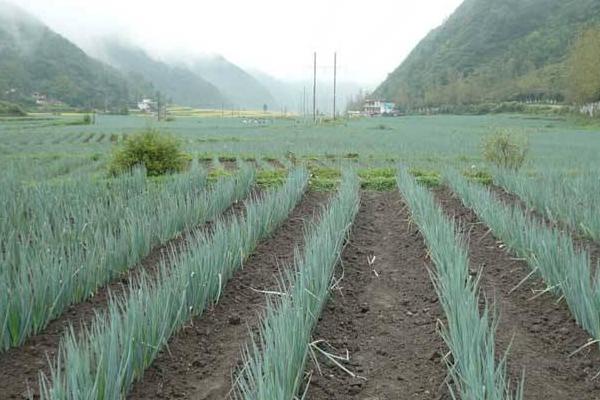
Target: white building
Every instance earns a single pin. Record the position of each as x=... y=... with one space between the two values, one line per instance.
x=40 y=99
x=378 y=107
x=146 y=105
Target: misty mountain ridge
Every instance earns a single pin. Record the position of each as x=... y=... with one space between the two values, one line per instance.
x=178 y=83
x=115 y=74
x=238 y=85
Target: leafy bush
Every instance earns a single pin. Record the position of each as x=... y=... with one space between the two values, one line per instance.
x=87 y=119
x=159 y=153
x=11 y=109
x=505 y=150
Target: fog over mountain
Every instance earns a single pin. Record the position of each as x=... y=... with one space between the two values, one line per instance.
x=274 y=36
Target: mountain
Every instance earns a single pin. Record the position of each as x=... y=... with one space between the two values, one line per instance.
x=239 y=86
x=493 y=50
x=34 y=59
x=183 y=86
x=289 y=95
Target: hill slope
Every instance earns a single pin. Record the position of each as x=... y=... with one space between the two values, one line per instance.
x=177 y=82
x=240 y=87
x=491 y=50
x=35 y=59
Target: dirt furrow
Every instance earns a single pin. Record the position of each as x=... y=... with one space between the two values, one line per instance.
x=384 y=313
x=540 y=332
x=200 y=359
x=20 y=366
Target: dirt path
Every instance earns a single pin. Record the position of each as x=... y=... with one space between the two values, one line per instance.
x=386 y=322
x=276 y=163
x=20 y=366
x=229 y=165
x=580 y=241
x=543 y=334
x=201 y=358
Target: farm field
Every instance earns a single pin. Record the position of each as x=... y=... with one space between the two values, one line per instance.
x=377 y=258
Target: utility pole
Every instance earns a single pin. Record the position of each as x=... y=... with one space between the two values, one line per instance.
x=158 y=105
x=304 y=103
x=315 y=89
x=334 y=81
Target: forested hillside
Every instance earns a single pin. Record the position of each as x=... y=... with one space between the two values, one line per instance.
x=34 y=59
x=495 y=50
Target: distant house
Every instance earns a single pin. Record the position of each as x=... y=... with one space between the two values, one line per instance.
x=146 y=105
x=378 y=107
x=40 y=99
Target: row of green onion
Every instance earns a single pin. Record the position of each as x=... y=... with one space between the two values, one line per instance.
x=275 y=359
x=61 y=242
x=105 y=359
x=468 y=332
x=566 y=270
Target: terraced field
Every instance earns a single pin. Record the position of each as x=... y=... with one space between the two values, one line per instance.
x=346 y=261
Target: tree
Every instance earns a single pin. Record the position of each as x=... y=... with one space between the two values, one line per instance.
x=584 y=70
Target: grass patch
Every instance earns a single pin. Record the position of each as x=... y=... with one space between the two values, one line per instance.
x=271 y=178
x=324 y=179
x=378 y=179
x=479 y=176
x=217 y=173
x=426 y=177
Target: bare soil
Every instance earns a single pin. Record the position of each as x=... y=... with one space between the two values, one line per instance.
x=276 y=164
x=384 y=314
x=20 y=366
x=229 y=165
x=540 y=332
x=201 y=358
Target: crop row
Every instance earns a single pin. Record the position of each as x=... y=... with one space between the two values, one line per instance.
x=103 y=361
x=62 y=242
x=566 y=270
x=274 y=361
x=573 y=200
x=469 y=333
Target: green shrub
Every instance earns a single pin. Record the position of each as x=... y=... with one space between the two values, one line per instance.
x=505 y=150
x=11 y=109
x=159 y=153
x=87 y=119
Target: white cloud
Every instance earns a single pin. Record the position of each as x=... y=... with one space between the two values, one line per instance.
x=276 y=36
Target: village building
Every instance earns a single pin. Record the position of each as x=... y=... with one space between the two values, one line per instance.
x=146 y=105
x=375 y=107
x=40 y=99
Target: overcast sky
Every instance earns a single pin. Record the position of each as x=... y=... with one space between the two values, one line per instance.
x=274 y=36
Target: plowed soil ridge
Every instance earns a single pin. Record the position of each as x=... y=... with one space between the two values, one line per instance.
x=201 y=358
x=384 y=314
x=540 y=332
